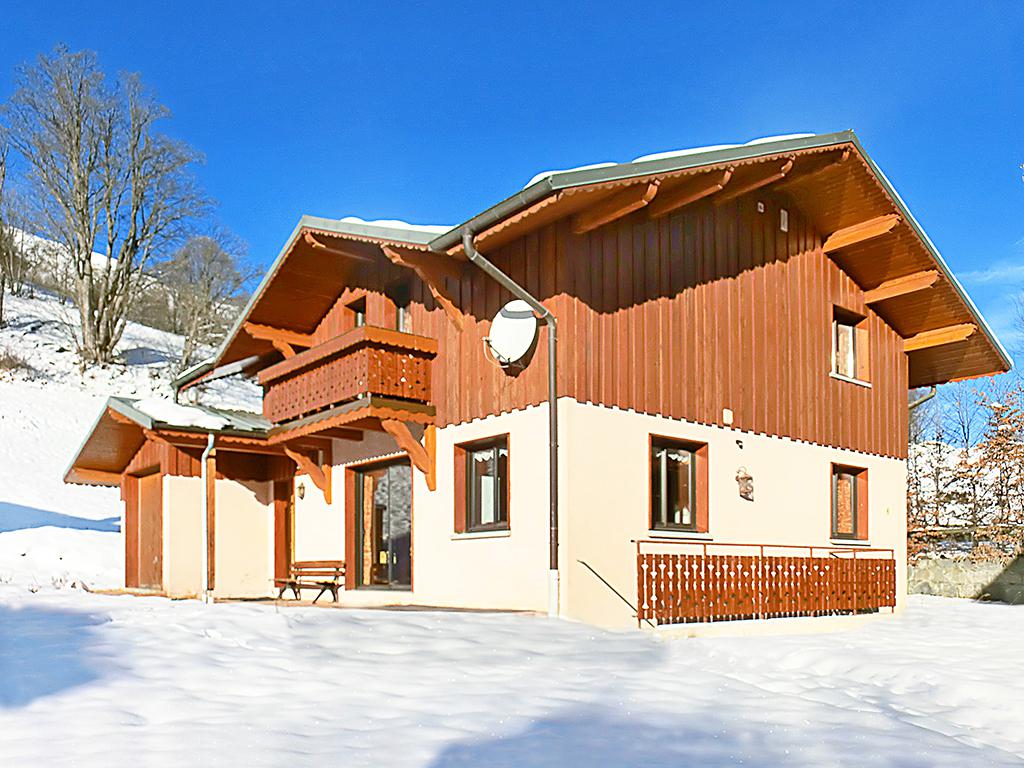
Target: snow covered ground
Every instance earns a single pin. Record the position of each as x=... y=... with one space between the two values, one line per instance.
x=93 y=680
x=99 y=680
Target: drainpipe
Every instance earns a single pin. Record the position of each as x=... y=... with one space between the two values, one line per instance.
x=545 y=315
x=922 y=399
x=205 y=577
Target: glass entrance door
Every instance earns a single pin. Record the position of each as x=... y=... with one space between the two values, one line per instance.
x=383 y=511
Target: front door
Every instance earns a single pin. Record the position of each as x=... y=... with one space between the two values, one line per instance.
x=384 y=526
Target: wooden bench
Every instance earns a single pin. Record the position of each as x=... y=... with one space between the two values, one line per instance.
x=325 y=575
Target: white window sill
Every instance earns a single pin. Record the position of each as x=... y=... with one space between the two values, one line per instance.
x=692 y=535
x=481 y=535
x=848 y=380
x=850 y=543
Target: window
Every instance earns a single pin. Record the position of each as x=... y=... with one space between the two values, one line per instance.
x=482 y=486
x=849 y=345
x=357 y=312
x=678 y=485
x=402 y=319
x=849 y=502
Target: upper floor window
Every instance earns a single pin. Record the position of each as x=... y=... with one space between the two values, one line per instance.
x=481 y=475
x=849 y=345
x=357 y=312
x=678 y=485
x=849 y=502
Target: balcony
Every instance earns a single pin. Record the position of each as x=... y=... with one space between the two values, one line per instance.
x=759 y=581
x=362 y=363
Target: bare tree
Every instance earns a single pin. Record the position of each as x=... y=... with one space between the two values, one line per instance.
x=205 y=280
x=107 y=185
x=6 y=233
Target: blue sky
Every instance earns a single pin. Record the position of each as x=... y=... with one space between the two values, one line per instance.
x=430 y=113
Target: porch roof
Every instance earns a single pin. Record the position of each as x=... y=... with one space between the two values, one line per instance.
x=120 y=430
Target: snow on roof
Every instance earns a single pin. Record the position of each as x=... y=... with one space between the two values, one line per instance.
x=674 y=153
x=169 y=412
x=396 y=224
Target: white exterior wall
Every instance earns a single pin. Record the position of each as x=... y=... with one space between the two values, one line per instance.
x=243 y=543
x=501 y=570
x=183 y=535
x=244 y=539
x=605 y=500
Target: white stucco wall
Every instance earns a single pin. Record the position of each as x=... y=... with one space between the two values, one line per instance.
x=183 y=535
x=604 y=499
x=244 y=539
x=243 y=544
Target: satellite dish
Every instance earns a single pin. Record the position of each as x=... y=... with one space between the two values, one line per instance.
x=513 y=331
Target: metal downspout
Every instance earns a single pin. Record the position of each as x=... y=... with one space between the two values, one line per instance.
x=548 y=318
x=205 y=576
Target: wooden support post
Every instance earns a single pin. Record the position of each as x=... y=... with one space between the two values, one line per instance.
x=278 y=336
x=614 y=207
x=433 y=270
x=319 y=472
x=938 y=337
x=901 y=286
x=857 y=233
x=423 y=457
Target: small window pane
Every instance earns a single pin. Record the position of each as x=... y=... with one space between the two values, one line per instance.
x=673 y=487
x=845 y=351
x=487 y=487
x=844 y=503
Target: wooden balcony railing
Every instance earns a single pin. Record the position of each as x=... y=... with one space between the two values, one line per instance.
x=759 y=581
x=363 y=361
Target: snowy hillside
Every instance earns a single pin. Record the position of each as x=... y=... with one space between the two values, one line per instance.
x=50 y=531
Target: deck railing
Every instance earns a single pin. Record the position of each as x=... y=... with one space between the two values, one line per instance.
x=759 y=581
x=363 y=361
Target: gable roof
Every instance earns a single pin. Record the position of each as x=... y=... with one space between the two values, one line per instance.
x=849 y=196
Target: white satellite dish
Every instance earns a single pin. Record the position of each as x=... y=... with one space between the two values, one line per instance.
x=513 y=331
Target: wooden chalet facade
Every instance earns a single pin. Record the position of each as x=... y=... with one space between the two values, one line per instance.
x=737 y=332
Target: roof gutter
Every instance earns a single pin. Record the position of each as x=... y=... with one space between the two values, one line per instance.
x=545 y=315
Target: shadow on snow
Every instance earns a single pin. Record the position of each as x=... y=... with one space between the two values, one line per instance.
x=15 y=517
x=44 y=651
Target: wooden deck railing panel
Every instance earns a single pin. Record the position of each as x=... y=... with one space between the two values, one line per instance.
x=366 y=361
x=680 y=588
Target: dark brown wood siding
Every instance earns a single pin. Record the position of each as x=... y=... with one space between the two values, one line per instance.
x=708 y=308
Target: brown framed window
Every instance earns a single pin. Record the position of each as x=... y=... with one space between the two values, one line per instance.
x=482 y=485
x=678 y=485
x=849 y=502
x=850 y=353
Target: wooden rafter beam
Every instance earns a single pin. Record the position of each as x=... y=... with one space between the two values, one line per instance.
x=284 y=341
x=341 y=433
x=690 y=191
x=614 y=207
x=311 y=240
x=857 y=233
x=423 y=456
x=767 y=176
x=938 y=337
x=94 y=476
x=319 y=473
x=434 y=271
x=901 y=286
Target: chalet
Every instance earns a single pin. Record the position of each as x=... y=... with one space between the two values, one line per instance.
x=672 y=391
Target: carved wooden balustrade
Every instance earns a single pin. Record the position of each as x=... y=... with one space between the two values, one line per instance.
x=750 y=583
x=366 y=361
